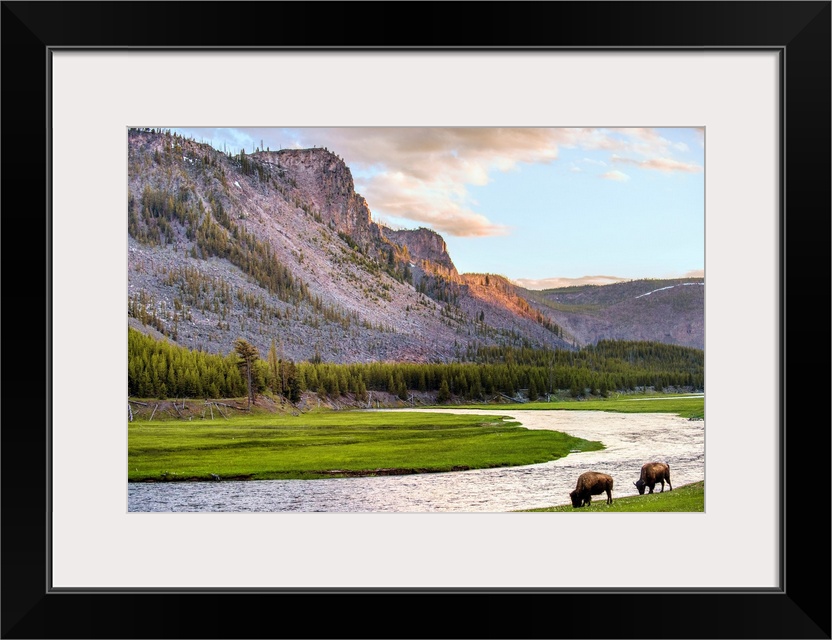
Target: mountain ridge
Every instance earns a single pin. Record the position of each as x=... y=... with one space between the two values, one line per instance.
x=277 y=247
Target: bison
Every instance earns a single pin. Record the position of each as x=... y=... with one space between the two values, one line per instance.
x=591 y=484
x=652 y=473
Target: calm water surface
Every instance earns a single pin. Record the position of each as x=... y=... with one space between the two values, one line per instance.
x=630 y=439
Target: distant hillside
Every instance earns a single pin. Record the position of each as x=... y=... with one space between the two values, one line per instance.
x=277 y=247
x=669 y=311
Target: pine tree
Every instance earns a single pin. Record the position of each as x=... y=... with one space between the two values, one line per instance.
x=248 y=354
x=533 y=392
x=444 y=393
x=274 y=368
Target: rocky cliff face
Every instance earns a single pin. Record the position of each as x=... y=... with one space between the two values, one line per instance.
x=424 y=245
x=327 y=189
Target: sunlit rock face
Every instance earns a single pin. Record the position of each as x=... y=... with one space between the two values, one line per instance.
x=424 y=245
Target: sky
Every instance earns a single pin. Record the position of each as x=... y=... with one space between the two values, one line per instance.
x=543 y=207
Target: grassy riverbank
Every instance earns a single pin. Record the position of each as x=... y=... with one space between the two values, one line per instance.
x=265 y=445
x=690 y=406
x=330 y=444
x=685 y=498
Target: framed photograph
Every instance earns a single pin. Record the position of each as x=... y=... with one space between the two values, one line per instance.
x=753 y=77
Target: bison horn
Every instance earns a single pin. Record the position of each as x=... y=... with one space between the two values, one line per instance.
x=635 y=484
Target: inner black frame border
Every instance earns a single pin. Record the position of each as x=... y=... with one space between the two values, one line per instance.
x=800 y=608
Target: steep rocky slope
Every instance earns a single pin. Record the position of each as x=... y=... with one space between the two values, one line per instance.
x=278 y=248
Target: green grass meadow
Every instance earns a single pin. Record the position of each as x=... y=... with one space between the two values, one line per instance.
x=686 y=498
x=330 y=444
x=684 y=406
x=335 y=443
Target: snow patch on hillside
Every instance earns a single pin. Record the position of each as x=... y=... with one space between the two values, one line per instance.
x=684 y=284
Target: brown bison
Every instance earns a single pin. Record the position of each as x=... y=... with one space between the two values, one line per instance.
x=652 y=473
x=591 y=484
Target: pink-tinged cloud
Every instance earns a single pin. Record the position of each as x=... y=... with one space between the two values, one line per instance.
x=440 y=206
x=557 y=283
x=461 y=154
x=616 y=175
x=437 y=165
x=670 y=165
x=650 y=143
x=667 y=165
x=422 y=174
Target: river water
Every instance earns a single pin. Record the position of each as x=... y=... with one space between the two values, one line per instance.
x=630 y=439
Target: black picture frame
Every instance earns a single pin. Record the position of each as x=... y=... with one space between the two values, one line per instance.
x=799 y=31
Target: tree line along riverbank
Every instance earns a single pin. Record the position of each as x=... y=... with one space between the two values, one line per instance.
x=162 y=370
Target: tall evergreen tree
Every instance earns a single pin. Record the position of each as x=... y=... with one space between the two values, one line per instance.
x=248 y=354
x=274 y=369
x=444 y=392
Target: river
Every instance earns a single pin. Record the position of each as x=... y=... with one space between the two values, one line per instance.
x=630 y=440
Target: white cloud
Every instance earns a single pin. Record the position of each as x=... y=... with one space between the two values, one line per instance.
x=615 y=174
x=423 y=174
x=660 y=164
x=600 y=163
x=442 y=207
x=434 y=167
x=556 y=283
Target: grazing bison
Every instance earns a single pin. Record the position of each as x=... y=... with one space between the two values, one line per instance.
x=591 y=484
x=651 y=473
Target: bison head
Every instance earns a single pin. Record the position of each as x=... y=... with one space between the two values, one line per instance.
x=576 y=499
x=640 y=487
